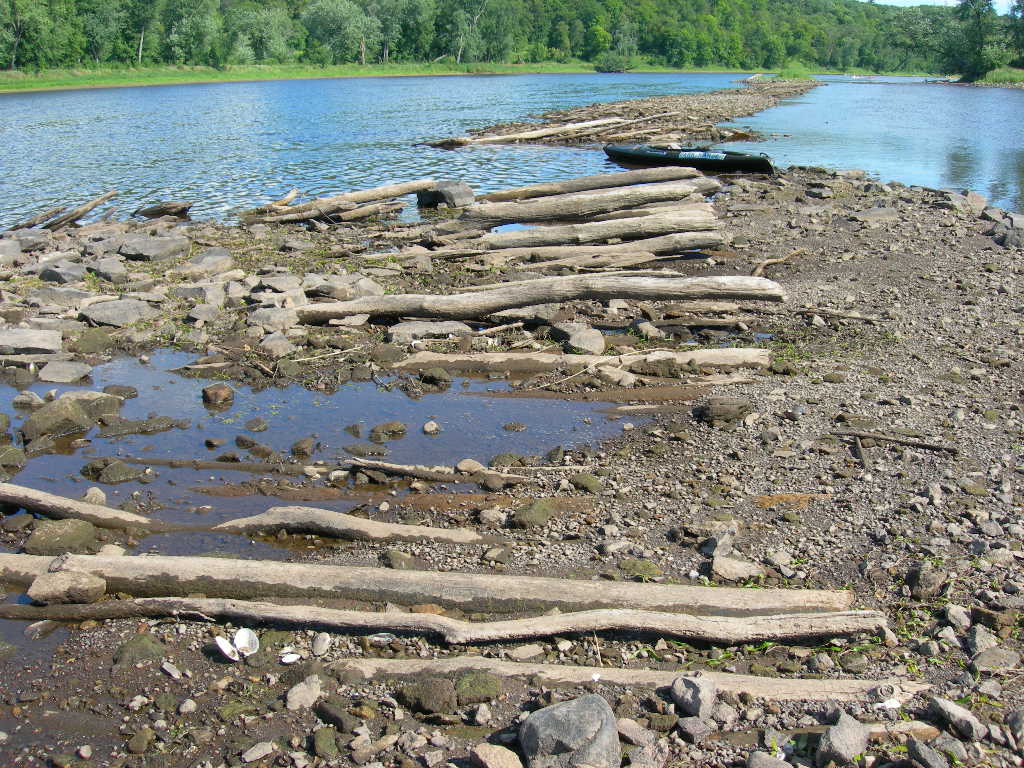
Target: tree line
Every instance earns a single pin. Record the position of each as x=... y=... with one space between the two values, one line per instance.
x=741 y=34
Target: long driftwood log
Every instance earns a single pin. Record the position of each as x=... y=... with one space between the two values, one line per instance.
x=580 y=205
x=723 y=358
x=438 y=474
x=74 y=215
x=60 y=508
x=35 y=221
x=587 y=183
x=664 y=245
x=699 y=217
x=777 y=689
x=325 y=206
x=162 y=575
x=325 y=522
x=478 y=304
x=511 y=138
x=708 y=629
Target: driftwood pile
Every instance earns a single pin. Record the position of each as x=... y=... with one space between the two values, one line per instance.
x=350 y=206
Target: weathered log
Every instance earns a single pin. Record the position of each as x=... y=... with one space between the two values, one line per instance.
x=35 y=221
x=319 y=209
x=463 y=306
x=583 y=204
x=898 y=439
x=588 y=183
x=326 y=206
x=758 y=270
x=22 y=570
x=271 y=207
x=61 y=508
x=511 y=138
x=723 y=358
x=662 y=273
x=776 y=689
x=439 y=474
x=707 y=629
x=602 y=260
x=162 y=576
x=654 y=209
x=692 y=220
x=324 y=522
x=255 y=467
x=74 y=215
x=177 y=209
x=660 y=246
x=366 y=211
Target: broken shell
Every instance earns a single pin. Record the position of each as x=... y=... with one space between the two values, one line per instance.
x=290 y=658
x=246 y=642
x=227 y=648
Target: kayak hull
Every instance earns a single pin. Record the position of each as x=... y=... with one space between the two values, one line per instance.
x=708 y=161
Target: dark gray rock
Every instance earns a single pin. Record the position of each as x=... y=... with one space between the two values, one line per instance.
x=927 y=757
x=572 y=733
x=111 y=269
x=435 y=695
x=951 y=748
x=995 y=660
x=61 y=417
x=120 y=312
x=32 y=239
x=957 y=718
x=454 y=194
x=925 y=582
x=148 y=248
x=842 y=742
x=62 y=272
x=694 y=730
x=694 y=695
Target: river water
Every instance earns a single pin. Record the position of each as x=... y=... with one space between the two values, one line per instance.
x=231 y=145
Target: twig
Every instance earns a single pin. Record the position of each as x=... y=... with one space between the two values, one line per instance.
x=759 y=269
x=896 y=439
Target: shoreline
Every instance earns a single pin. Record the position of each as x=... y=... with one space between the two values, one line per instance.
x=877 y=336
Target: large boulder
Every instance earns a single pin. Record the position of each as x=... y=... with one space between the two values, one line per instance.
x=119 y=313
x=61 y=417
x=28 y=341
x=148 y=248
x=66 y=587
x=572 y=733
x=694 y=695
x=55 y=537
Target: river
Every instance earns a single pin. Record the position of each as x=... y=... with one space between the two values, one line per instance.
x=229 y=145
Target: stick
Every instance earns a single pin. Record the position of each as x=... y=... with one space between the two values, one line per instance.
x=35 y=221
x=324 y=522
x=708 y=629
x=759 y=269
x=72 y=216
x=896 y=439
x=544 y=291
x=775 y=689
x=440 y=474
x=62 y=508
x=160 y=576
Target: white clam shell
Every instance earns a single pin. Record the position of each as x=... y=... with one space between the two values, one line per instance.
x=246 y=642
x=290 y=658
x=227 y=648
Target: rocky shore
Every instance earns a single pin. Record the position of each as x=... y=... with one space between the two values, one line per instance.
x=873 y=452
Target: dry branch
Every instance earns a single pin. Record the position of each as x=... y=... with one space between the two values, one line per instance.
x=708 y=629
x=761 y=266
x=328 y=206
x=74 y=215
x=62 y=508
x=584 y=204
x=587 y=183
x=35 y=221
x=177 y=209
x=910 y=442
x=544 y=291
x=439 y=474
x=161 y=576
x=324 y=522
x=776 y=689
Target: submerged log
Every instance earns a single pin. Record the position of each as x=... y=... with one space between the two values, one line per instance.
x=327 y=206
x=477 y=304
x=61 y=508
x=774 y=689
x=587 y=183
x=74 y=215
x=583 y=204
x=35 y=221
x=162 y=576
x=325 y=522
x=177 y=209
x=440 y=474
x=707 y=629
x=511 y=138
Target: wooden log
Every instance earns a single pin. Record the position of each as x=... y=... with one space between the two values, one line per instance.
x=440 y=474
x=35 y=221
x=22 y=570
x=724 y=358
x=62 y=508
x=654 y=209
x=463 y=306
x=770 y=688
x=255 y=467
x=325 y=522
x=326 y=206
x=664 y=273
x=692 y=220
x=898 y=439
x=74 y=215
x=271 y=207
x=588 y=183
x=660 y=246
x=162 y=576
x=511 y=138
x=707 y=629
x=603 y=260
x=177 y=209
x=374 y=193
x=581 y=205
x=323 y=209
x=366 y=211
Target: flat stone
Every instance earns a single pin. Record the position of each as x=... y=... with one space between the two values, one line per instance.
x=64 y=372
x=995 y=660
x=694 y=730
x=27 y=341
x=148 y=248
x=305 y=694
x=958 y=718
x=55 y=537
x=434 y=695
x=277 y=345
x=572 y=733
x=110 y=268
x=494 y=756
x=735 y=569
x=525 y=652
x=64 y=416
x=66 y=587
x=139 y=648
x=274 y=318
x=403 y=333
x=259 y=751
x=212 y=261
x=62 y=272
x=764 y=760
x=120 y=312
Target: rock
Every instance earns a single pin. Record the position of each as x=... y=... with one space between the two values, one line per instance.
x=980 y=639
x=27 y=341
x=842 y=743
x=477 y=688
x=434 y=695
x=55 y=537
x=61 y=417
x=12 y=457
x=694 y=695
x=111 y=269
x=995 y=660
x=148 y=248
x=925 y=582
x=959 y=719
x=141 y=647
x=64 y=372
x=431 y=428
x=321 y=644
x=259 y=751
x=120 y=312
x=141 y=740
x=305 y=694
x=764 y=760
x=325 y=743
x=403 y=333
x=694 y=730
x=535 y=515
x=631 y=732
x=641 y=570
x=218 y=394
x=112 y=471
x=736 y=569
x=402 y=561
x=212 y=261
x=588 y=341
x=572 y=733
x=924 y=755
x=525 y=652
x=62 y=272
x=493 y=756
x=454 y=194
x=585 y=481
x=66 y=587
x=277 y=345
x=722 y=410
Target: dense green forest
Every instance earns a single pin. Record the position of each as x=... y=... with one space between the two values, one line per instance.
x=738 y=34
